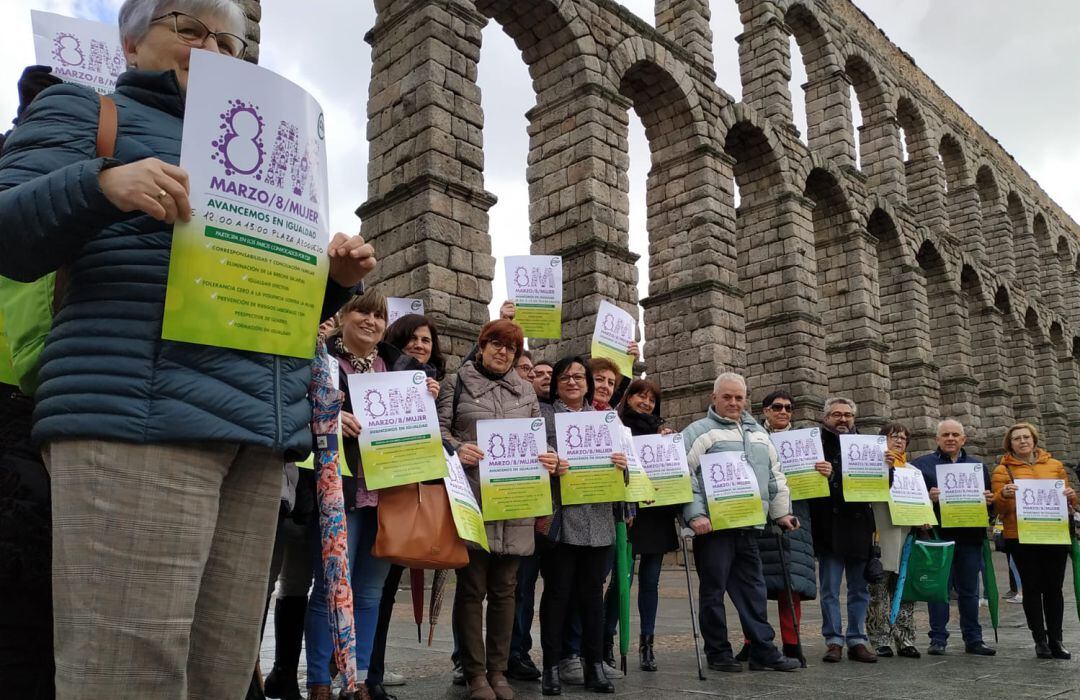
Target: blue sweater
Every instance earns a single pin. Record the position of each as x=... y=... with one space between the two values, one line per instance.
x=106 y=373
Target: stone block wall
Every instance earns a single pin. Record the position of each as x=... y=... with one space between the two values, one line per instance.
x=943 y=284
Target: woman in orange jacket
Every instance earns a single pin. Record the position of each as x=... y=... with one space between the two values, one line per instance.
x=1042 y=566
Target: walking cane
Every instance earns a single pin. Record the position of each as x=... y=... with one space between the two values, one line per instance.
x=788 y=587
x=690 y=594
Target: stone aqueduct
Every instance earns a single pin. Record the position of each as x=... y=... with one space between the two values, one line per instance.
x=943 y=284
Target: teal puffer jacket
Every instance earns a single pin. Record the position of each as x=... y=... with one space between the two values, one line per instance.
x=105 y=371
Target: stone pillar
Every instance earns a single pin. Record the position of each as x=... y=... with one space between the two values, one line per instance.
x=579 y=207
x=925 y=174
x=1069 y=375
x=882 y=159
x=1050 y=283
x=686 y=22
x=915 y=389
x=994 y=372
x=965 y=219
x=1054 y=426
x=828 y=116
x=426 y=212
x=848 y=289
x=253 y=13
x=951 y=339
x=784 y=335
x=1022 y=373
x=764 y=61
x=1000 y=252
x=694 y=313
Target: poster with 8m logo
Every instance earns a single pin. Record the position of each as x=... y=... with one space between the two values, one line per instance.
x=248 y=271
x=80 y=51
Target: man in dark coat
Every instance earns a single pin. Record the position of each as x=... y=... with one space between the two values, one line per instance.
x=843 y=535
x=967 y=560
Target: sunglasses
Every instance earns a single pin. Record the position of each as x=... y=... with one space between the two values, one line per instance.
x=782 y=407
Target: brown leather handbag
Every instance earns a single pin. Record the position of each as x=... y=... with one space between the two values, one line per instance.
x=416 y=528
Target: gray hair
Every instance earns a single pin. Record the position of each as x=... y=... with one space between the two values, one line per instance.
x=136 y=15
x=943 y=421
x=834 y=400
x=728 y=377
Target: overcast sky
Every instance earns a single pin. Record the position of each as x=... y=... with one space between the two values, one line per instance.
x=1012 y=68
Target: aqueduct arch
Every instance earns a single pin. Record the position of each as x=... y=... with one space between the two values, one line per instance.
x=940 y=281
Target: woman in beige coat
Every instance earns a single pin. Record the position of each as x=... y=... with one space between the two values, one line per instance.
x=485 y=388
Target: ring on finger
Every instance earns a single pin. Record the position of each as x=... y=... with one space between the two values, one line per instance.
x=162 y=194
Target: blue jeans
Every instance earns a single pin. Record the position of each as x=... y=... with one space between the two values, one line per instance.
x=368 y=575
x=648 y=599
x=831 y=569
x=967 y=565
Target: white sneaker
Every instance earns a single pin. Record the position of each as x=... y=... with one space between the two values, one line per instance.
x=983 y=602
x=1018 y=598
x=389 y=677
x=571 y=672
x=611 y=671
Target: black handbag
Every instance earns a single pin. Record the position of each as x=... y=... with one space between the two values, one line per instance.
x=874 y=571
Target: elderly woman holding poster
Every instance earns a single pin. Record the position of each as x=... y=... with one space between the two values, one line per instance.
x=1042 y=566
x=165 y=457
x=487 y=388
x=579 y=539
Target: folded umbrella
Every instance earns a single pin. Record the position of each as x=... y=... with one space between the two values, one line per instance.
x=1074 y=552
x=325 y=408
x=990 y=584
x=622 y=571
x=438 y=587
x=416 y=588
x=901 y=578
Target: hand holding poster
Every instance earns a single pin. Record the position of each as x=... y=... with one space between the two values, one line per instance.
x=961 y=499
x=396 y=307
x=587 y=440
x=78 y=50
x=731 y=489
x=1042 y=511
x=400 y=441
x=468 y=519
x=612 y=336
x=800 y=451
x=909 y=502
x=248 y=271
x=639 y=489
x=664 y=460
x=513 y=483
x=534 y=284
x=865 y=476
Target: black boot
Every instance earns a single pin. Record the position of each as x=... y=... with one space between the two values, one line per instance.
x=596 y=680
x=645 y=650
x=1042 y=650
x=288 y=638
x=549 y=681
x=1056 y=649
x=744 y=654
x=609 y=652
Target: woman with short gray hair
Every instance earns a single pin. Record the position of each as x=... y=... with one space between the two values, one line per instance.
x=164 y=457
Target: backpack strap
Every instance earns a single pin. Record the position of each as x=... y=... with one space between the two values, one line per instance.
x=459 y=386
x=107 y=128
x=105 y=147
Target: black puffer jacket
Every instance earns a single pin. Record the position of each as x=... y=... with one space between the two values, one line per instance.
x=840 y=528
x=799 y=550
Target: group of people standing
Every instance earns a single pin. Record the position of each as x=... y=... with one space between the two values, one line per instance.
x=178 y=504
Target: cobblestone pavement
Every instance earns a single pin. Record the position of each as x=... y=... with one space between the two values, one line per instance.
x=1013 y=673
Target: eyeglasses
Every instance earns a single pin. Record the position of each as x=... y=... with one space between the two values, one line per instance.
x=781 y=407
x=499 y=346
x=899 y=437
x=845 y=416
x=193 y=32
x=576 y=378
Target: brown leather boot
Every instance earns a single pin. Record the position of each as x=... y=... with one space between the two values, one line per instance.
x=500 y=685
x=480 y=689
x=860 y=652
x=320 y=692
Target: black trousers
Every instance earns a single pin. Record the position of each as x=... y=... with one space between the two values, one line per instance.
x=573 y=578
x=728 y=561
x=26 y=639
x=1042 y=574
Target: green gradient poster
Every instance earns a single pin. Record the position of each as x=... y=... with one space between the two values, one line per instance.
x=587 y=440
x=534 y=283
x=513 y=484
x=865 y=475
x=962 y=496
x=612 y=335
x=400 y=442
x=664 y=460
x=248 y=271
x=731 y=491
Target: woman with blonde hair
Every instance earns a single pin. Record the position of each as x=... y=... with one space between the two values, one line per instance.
x=1041 y=566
